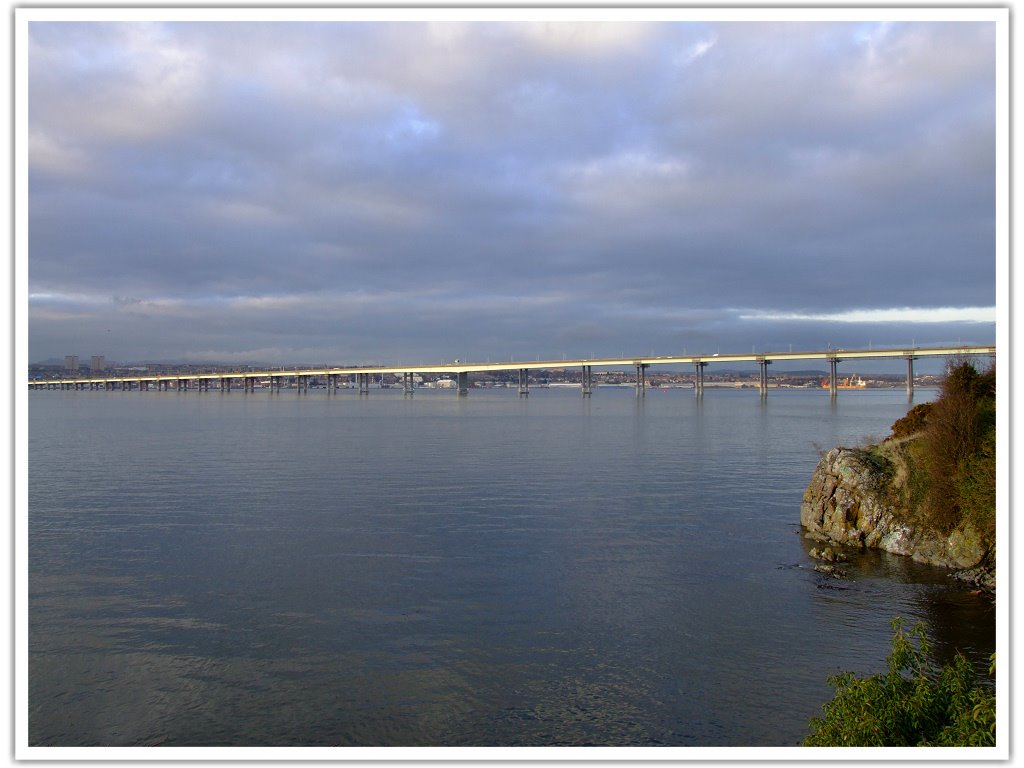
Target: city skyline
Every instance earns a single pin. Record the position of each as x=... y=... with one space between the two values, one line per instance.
x=405 y=191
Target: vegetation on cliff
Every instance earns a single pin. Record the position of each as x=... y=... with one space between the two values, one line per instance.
x=913 y=704
x=951 y=460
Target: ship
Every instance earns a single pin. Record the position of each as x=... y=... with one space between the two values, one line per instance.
x=851 y=382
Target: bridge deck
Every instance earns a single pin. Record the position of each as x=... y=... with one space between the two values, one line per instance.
x=467 y=367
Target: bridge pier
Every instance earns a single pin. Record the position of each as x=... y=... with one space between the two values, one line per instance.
x=833 y=383
x=524 y=382
x=641 y=379
x=698 y=379
x=408 y=385
x=763 y=378
x=587 y=381
x=463 y=383
x=910 y=377
x=364 y=383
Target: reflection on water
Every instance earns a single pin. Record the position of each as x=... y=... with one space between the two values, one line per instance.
x=213 y=569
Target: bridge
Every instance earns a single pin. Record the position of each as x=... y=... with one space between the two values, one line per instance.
x=362 y=375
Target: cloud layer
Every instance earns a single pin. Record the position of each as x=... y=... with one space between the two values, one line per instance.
x=357 y=192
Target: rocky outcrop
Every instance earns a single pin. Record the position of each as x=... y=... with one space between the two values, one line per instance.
x=858 y=497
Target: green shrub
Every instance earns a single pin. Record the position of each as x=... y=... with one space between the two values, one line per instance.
x=976 y=486
x=912 y=704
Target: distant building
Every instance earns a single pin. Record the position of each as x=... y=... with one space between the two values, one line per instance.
x=98 y=363
x=71 y=362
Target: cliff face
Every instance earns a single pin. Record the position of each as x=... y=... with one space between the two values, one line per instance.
x=859 y=497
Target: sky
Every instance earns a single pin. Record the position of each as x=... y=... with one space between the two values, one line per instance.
x=415 y=192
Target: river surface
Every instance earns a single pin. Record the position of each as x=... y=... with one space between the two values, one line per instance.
x=285 y=569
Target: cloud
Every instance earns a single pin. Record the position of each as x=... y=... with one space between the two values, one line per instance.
x=902 y=315
x=423 y=187
x=121 y=82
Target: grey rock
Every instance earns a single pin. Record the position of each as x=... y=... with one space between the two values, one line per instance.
x=855 y=498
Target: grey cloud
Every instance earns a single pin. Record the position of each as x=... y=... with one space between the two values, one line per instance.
x=385 y=175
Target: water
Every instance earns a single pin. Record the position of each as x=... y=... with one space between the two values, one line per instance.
x=257 y=569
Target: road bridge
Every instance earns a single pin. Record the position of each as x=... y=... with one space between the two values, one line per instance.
x=362 y=376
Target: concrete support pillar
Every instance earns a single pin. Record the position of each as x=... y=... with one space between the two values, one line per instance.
x=586 y=381
x=524 y=382
x=833 y=382
x=698 y=379
x=763 y=385
x=910 y=376
x=463 y=382
x=364 y=383
x=641 y=379
x=408 y=385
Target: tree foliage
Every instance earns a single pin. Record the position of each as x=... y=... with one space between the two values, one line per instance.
x=957 y=451
x=911 y=424
x=914 y=703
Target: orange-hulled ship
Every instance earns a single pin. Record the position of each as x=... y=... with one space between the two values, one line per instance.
x=852 y=382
